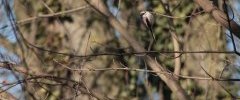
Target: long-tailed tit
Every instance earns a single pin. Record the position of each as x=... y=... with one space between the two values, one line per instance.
x=148 y=21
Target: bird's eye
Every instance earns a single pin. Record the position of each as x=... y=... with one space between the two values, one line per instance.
x=142 y=13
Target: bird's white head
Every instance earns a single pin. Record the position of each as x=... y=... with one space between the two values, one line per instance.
x=142 y=13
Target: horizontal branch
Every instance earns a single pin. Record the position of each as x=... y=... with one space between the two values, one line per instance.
x=28 y=20
x=18 y=69
x=145 y=70
x=131 y=53
x=178 y=17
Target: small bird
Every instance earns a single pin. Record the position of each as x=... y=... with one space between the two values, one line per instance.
x=148 y=21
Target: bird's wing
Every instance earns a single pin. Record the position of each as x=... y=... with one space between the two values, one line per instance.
x=151 y=18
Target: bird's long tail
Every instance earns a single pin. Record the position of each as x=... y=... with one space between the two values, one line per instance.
x=151 y=32
x=152 y=40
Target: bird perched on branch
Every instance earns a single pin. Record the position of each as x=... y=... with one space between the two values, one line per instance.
x=148 y=20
